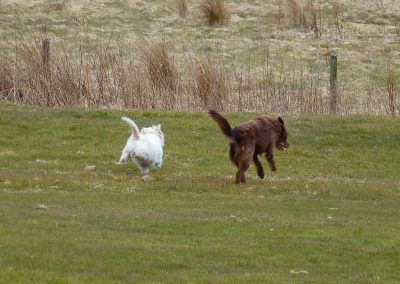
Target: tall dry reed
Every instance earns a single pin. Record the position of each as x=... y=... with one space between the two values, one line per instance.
x=210 y=84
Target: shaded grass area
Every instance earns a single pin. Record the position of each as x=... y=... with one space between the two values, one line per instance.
x=330 y=213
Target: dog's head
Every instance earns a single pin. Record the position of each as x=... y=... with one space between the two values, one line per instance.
x=281 y=142
x=155 y=129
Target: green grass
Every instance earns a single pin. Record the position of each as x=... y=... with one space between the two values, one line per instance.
x=331 y=209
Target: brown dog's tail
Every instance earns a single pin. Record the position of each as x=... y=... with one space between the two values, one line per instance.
x=222 y=123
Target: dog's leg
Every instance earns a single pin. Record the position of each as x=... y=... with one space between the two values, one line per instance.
x=144 y=170
x=124 y=158
x=243 y=157
x=239 y=178
x=158 y=164
x=143 y=166
x=243 y=166
x=260 y=170
x=271 y=160
x=231 y=152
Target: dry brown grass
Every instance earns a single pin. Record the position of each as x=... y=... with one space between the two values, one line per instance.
x=182 y=8
x=160 y=66
x=104 y=77
x=55 y=6
x=210 y=85
x=363 y=33
x=337 y=8
x=312 y=15
x=316 y=20
x=216 y=12
x=303 y=15
x=6 y=79
x=297 y=13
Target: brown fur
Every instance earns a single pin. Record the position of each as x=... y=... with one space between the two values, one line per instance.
x=248 y=140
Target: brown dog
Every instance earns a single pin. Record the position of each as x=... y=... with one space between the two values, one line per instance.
x=253 y=138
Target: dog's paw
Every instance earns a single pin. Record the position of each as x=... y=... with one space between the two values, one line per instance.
x=147 y=178
x=273 y=169
x=261 y=174
x=90 y=168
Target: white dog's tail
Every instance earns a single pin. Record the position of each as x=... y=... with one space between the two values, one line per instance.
x=132 y=124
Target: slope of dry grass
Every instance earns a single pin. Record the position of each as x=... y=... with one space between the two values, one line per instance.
x=364 y=34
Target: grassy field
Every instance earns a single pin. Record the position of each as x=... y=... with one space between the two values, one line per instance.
x=330 y=213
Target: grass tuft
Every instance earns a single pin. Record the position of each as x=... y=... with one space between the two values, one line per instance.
x=297 y=14
x=211 y=85
x=6 y=83
x=216 y=12
x=182 y=8
x=159 y=65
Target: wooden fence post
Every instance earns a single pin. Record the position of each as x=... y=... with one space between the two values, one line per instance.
x=46 y=68
x=391 y=88
x=46 y=55
x=333 y=83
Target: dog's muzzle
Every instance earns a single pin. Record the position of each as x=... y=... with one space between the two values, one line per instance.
x=283 y=146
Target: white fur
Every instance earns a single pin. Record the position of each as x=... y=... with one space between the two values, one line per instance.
x=145 y=148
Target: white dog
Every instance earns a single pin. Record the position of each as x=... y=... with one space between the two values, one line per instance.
x=144 y=147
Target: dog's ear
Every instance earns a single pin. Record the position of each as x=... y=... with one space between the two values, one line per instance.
x=280 y=120
x=159 y=127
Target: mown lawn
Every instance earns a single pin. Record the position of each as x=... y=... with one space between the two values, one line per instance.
x=329 y=214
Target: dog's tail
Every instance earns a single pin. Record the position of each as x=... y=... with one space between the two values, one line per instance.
x=222 y=123
x=132 y=124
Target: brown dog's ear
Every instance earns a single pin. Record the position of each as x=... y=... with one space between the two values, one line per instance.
x=280 y=120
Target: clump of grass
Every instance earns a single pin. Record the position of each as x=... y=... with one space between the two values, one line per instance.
x=134 y=88
x=338 y=18
x=31 y=75
x=296 y=13
x=182 y=8
x=56 y=6
x=280 y=16
x=6 y=82
x=216 y=12
x=210 y=84
x=309 y=15
x=316 y=21
x=305 y=16
x=159 y=65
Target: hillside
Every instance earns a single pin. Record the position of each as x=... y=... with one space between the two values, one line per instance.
x=364 y=34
